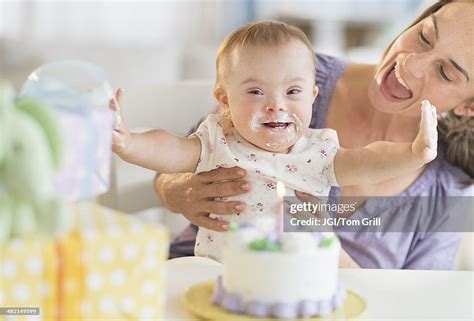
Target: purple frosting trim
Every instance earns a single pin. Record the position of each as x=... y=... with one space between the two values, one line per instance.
x=305 y=308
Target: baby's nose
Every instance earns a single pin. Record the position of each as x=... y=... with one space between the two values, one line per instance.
x=275 y=105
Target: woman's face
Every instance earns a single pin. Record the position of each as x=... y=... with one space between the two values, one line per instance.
x=432 y=60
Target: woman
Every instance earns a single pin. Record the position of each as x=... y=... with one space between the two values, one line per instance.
x=431 y=59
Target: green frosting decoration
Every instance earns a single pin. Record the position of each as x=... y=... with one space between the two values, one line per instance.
x=233 y=226
x=273 y=247
x=264 y=245
x=327 y=242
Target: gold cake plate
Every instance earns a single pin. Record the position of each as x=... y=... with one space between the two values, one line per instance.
x=198 y=300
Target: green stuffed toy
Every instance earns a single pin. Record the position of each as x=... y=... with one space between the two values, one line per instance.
x=30 y=153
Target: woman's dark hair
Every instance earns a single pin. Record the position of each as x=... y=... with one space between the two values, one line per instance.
x=456 y=133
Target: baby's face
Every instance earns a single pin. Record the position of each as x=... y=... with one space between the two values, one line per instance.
x=269 y=93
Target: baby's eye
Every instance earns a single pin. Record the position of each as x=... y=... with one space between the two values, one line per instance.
x=255 y=92
x=293 y=91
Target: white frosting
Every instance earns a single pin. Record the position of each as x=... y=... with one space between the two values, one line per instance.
x=292 y=134
x=299 y=243
x=300 y=271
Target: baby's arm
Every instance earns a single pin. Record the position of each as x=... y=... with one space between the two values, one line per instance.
x=156 y=149
x=380 y=161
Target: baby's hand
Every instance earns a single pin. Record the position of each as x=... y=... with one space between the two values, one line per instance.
x=121 y=136
x=425 y=144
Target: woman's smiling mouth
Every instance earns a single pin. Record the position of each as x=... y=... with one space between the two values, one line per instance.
x=393 y=87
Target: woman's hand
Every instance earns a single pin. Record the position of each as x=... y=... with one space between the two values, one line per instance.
x=121 y=138
x=193 y=195
x=345 y=260
x=424 y=147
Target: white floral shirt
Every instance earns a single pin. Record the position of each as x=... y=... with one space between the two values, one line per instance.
x=308 y=167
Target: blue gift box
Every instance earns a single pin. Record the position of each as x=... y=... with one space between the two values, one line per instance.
x=79 y=91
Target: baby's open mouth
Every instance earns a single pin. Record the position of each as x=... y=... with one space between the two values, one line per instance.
x=277 y=125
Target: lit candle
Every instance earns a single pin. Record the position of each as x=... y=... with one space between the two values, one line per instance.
x=281 y=194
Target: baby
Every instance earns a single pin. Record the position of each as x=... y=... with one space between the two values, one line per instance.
x=265 y=86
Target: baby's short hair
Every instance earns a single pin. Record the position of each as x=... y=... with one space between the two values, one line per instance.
x=262 y=33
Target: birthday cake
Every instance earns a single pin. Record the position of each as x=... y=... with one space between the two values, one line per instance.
x=282 y=275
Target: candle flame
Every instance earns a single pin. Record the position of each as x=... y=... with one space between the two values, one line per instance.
x=280 y=190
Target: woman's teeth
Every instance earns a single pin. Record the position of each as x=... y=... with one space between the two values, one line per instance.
x=399 y=78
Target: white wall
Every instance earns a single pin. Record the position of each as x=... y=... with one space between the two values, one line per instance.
x=138 y=43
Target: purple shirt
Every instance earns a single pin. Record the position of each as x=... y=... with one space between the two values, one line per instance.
x=417 y=247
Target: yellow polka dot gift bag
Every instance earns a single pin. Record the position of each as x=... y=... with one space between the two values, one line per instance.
x=28 y=279
x=112 y=267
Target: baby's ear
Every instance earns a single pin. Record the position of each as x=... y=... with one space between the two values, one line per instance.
x=315 y=92
x=221 y=97
x=465 y=108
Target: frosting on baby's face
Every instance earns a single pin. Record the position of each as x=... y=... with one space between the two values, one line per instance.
x=280 y=129
x=269 y=94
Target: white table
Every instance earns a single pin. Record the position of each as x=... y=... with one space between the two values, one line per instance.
x=391 y=295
